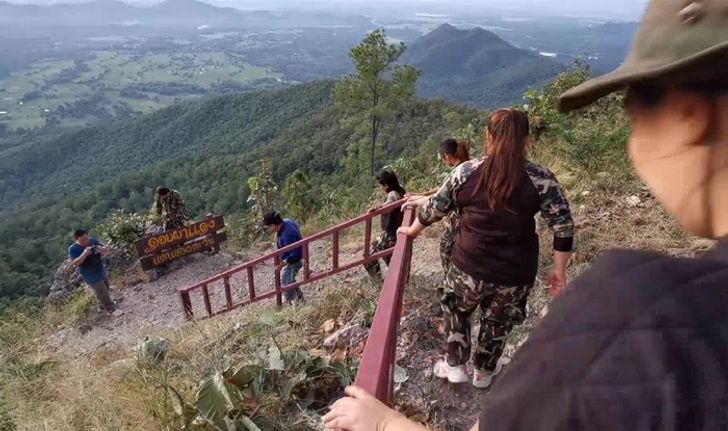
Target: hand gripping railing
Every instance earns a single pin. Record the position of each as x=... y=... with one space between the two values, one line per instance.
x=376 y=370
x=228 y=279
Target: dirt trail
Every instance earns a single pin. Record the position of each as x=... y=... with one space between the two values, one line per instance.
x=144 y=308
x=148 y=308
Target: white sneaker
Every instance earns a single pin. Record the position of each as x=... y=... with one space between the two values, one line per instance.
x=483 y=379
x=456 y=374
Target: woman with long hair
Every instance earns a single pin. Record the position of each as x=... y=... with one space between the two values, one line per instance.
x=495 y=258
x=452 y=153
x=389 y=182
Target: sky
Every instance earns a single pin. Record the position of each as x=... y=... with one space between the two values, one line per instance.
x=609 y=9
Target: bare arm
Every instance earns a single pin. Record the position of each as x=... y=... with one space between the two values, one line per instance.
x=414 y=229
x=81 y=259
x=561 y=259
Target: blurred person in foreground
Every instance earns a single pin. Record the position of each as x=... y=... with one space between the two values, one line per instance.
x=640 y=340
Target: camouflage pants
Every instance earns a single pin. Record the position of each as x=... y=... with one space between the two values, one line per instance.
x=502 y=308
x=447 y=245
x=173 y=221
x=382 y=243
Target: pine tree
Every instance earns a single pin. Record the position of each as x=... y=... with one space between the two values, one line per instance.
x=379 y=87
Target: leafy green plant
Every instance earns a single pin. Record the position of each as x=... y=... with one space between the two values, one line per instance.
x=299 y=199
x=122 y=227
x=224 y=399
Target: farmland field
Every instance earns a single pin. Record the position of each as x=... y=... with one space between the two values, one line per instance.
x=106 y=84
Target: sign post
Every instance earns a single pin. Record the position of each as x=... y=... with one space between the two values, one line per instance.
x=161 y=249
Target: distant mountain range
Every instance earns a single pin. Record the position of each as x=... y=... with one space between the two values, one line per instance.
x=166 y=13
x=476 y=66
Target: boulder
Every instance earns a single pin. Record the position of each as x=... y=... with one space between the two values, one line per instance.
x=65 y=281
x=119 y=259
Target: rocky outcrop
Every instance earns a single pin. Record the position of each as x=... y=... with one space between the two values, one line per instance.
x=65 y=281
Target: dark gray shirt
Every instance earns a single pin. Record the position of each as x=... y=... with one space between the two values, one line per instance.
x=638 y=342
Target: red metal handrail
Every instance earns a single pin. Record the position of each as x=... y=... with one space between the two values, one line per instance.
x=308 y=277
x=376 y=369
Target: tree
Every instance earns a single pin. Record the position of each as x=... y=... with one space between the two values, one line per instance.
x=264 y=195
x=379 y=87
x=297 y=192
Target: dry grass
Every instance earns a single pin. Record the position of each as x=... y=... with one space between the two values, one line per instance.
x=111 y=390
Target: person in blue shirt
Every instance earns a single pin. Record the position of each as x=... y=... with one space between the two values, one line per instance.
x=85 y=253
x=287 y=233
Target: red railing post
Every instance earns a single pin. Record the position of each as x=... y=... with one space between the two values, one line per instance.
x=228 y=293
x=306 y=267
x=206 y=297
x=376 y=369
x=308 y=277
x=335 y=252
x=367 y=237
x=279 y=296
x=251 y=284
x=184 y=296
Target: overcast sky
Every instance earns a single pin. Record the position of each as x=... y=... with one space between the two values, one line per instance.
x=611 y=9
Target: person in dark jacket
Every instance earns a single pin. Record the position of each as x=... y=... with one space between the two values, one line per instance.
x=287 y=233
x=640 y=340
x=390 y=222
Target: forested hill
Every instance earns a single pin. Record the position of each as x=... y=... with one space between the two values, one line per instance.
x=207 y=151
x=225 y=125
x=476 y=66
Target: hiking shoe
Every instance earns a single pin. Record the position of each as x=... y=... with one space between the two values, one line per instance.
x=456 y=374
x=483 y=379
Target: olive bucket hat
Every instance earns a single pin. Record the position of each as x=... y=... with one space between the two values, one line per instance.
x=674 y=35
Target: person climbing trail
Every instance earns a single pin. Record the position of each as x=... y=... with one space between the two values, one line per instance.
x=389 y=222
x=452 y=153
x=287 y=233
x=639 y=340
x=495 y=259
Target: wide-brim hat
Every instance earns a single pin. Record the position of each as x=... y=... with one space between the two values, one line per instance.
x=675 y=35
